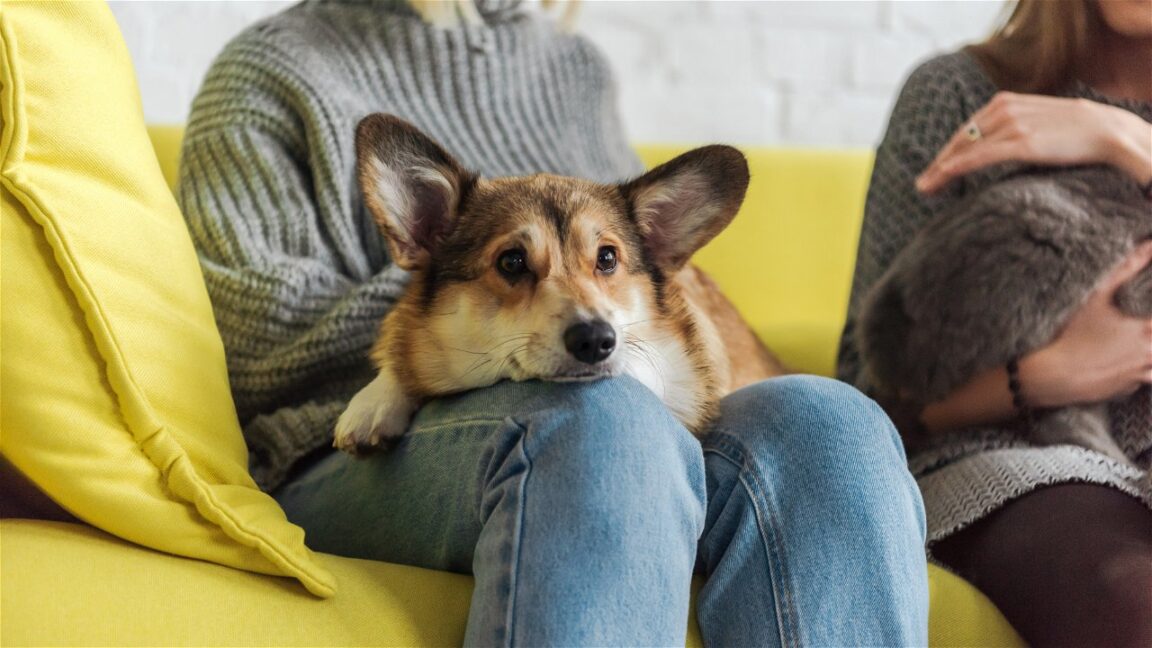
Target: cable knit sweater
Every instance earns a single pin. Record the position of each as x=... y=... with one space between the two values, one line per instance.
x=298 y=273
x=967 y=474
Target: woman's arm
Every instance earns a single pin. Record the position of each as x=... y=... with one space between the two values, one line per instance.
x=1043 y=130
x=296 y=319
x=1131 y=148
x=1064 y=372
x=935 y=100
x=1099 y=355
x=297 y=272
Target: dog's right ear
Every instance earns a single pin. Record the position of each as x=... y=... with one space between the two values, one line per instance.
x=680 y=205
x=411 y=185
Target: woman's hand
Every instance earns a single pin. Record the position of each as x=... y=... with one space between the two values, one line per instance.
x=1043 y=130
x=1100 y=354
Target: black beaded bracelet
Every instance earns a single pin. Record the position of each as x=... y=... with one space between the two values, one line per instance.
x=1023 y=409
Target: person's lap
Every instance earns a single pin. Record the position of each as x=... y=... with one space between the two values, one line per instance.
x=839 y=519
x=806 y=496
x=419 y=503
x=1069 y=564
x=575 y=507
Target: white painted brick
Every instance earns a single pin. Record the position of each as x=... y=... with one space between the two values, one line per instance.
x=882 y=61
x=835 y=118
x=804 y=56
x=168 y=96
x=711 y=55
x=831 y=14
x=137 y=26
x=632 y=51
x=949 y=23
x=655 y=13
x=704 y=114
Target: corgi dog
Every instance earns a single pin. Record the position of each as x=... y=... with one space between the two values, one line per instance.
x=548 y=277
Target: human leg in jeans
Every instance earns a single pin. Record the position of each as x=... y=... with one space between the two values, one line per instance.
x=815 y=528
x=576 y=506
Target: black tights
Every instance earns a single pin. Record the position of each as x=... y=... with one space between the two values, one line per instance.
x=1068 y=565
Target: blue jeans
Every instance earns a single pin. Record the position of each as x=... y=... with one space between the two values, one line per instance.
x=584 y=509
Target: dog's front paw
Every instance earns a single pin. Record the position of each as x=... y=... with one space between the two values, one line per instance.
x=377 y=415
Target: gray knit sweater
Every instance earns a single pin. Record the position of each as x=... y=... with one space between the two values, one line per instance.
x=297 y=270
x=967 y=474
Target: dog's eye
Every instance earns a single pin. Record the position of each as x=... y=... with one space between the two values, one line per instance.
x=606 y=259
x=512 y=263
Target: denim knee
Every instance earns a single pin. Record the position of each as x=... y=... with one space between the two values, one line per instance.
x=605 y=425
x=810 y=473
x=592 y=502
x=836 y=439
x=825 y=418
x=613 y=443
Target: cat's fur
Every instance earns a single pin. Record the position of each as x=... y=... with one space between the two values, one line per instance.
x=997 y=277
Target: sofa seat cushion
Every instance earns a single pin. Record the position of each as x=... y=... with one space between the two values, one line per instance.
x=71 y=585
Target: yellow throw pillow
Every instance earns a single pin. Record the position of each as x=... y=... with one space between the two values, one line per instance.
x=115 y=396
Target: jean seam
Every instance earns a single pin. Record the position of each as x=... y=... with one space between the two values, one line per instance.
x=726 y=446
x=514 y=564
x=455 y=423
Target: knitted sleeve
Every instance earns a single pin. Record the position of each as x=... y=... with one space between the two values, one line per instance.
x=935 y=100
x=296 y=271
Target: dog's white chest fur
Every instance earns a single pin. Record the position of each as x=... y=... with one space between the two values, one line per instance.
x=667 y=370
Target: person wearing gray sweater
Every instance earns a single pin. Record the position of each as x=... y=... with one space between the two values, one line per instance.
x=582 y=509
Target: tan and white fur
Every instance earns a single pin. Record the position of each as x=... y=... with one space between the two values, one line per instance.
x=548 y=277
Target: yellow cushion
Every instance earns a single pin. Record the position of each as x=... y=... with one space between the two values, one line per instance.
x=115 y=399
x=959 y=615
x=68 y=585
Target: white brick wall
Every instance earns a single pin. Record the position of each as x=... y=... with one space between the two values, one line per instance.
x=786 y=72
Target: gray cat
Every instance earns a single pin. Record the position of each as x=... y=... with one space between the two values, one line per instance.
x=998 y=277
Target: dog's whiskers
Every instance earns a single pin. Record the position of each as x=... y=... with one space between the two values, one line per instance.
x=508 y=340
x=476 y=365
x=511 y=356
x=625 y=326
x=643 y=350
x=479 y=353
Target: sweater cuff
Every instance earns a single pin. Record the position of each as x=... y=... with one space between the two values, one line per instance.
x=277 y=440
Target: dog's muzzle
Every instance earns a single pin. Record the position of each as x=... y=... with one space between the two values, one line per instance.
x=590 y=342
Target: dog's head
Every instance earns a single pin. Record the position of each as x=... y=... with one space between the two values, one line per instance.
x=543 y=276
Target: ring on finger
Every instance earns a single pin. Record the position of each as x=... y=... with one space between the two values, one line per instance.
x=972 y=131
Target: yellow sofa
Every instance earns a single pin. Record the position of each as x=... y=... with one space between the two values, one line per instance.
x=115 y=399
x=786 y=262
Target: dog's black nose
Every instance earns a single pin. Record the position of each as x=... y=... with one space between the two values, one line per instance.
x=590 y=342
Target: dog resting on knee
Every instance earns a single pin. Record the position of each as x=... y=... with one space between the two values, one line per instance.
x=997 y=278
x=548 y=277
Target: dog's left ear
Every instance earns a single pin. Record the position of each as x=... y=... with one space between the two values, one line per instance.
x=412 y=186
x=684 y=203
